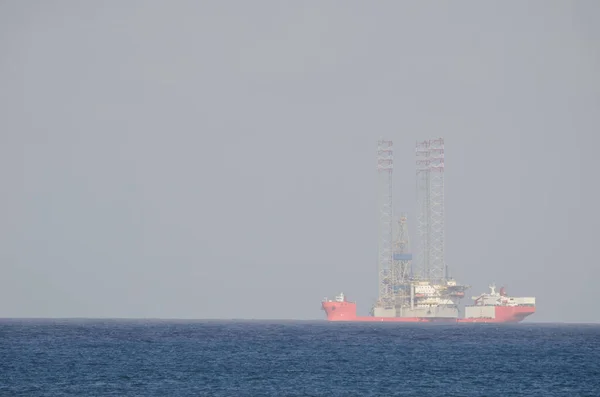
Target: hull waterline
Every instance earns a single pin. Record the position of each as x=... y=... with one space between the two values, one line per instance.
x=346 y=312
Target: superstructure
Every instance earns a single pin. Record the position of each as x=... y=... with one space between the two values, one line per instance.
x=424 y=292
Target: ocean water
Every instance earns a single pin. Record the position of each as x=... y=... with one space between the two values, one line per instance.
x=246 y=358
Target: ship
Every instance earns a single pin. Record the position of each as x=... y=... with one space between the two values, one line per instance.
x=427 y=293
x=493 y=307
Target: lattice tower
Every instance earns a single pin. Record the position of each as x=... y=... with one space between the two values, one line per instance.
x=385 y=166
x=430 y=203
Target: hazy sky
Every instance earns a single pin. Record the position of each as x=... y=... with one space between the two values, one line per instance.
x=187 y=159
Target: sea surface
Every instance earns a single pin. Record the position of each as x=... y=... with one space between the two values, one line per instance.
x=252 y=358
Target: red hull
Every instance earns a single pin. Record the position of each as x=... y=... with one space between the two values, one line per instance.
x=346 y=311
x=504 y=314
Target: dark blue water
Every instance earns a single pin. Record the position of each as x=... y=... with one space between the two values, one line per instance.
x=154 y=358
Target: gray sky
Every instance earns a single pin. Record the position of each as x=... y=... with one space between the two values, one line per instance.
x=182 y=159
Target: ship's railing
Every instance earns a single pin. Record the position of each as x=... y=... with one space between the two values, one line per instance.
x=335 y=300
x=502 y=305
